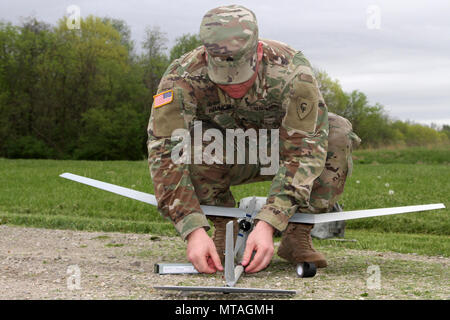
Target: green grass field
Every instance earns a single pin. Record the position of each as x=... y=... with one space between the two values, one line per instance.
x=32 y=194
x=411 y=155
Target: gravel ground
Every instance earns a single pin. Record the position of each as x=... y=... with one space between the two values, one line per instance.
x=63 y=264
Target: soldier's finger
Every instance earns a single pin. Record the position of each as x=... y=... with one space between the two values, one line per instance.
x=259 y=256
x=264 y=263
x=214 y=257
x=247 y=253
x=210 y=262
x=201 y=265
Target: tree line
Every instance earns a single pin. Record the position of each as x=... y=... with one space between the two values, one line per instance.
x=373 y=124
x=86 y=93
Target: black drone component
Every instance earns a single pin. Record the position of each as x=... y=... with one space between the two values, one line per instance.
x=245 y=225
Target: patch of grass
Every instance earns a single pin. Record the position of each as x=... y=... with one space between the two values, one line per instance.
x=34 y=195
x=33 y=187
x=87 y=224
x=102 y=237
x=412 y=185
x=114 y=245
x=412 y=155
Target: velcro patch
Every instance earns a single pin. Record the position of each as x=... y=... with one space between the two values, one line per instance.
x=162 y=99
x=306 y=77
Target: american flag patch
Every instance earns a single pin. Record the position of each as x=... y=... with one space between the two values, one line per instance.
x=162 y=99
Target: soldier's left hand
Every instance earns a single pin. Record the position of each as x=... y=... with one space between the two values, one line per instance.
x=260 y=240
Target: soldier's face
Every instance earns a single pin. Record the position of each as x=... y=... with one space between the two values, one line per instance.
x=239 y=90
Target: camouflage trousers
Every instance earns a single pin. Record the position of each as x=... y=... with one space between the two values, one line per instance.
x=212 y=182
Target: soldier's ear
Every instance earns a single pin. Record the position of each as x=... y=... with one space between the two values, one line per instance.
x=260 y=51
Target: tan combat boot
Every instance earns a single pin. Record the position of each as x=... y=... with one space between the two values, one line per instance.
x=219 y=234
x=296 y=245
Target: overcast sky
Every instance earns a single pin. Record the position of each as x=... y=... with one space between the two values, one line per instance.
x=404 y=64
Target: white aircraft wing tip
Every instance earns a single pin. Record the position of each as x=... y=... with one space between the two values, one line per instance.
x=70 y=175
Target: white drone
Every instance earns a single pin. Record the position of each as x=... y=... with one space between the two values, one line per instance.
x=233 y=268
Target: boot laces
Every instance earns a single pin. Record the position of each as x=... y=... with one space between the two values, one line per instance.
x=305 y=239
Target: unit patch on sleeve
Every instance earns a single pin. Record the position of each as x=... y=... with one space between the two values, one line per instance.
x=304 y=107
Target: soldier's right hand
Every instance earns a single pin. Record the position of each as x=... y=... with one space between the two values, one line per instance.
x=202 y=253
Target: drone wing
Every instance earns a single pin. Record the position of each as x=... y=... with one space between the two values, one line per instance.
x=129 y=193
x=148 y=198
x=358 y=214
x=240 y=213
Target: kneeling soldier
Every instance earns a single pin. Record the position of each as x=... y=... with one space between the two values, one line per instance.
x=238 y=81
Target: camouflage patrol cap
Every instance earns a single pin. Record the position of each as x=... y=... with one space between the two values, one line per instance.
x=230 y=36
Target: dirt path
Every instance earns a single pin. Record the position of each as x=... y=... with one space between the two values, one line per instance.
x=43 y=264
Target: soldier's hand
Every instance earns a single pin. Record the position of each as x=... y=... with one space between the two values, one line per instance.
x=260 y=240
x=202 y=253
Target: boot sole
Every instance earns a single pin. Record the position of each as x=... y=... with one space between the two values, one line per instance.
x=287 y=257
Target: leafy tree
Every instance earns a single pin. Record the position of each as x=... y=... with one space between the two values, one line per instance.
x=154 y=61
x=184 y=44
x=22 y=57
x=124 y=31
x=371 y=123
x=111 y=134
x=334 y=96
x=446 y=130
x=63 y=74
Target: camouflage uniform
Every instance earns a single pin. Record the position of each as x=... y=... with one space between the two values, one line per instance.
x=315 y=146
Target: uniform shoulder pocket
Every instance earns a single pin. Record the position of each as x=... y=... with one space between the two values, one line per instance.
x=302 y=104
x=168 y=114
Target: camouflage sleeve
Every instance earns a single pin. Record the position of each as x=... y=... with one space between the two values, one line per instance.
x=174 y=190
x=303 y=149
